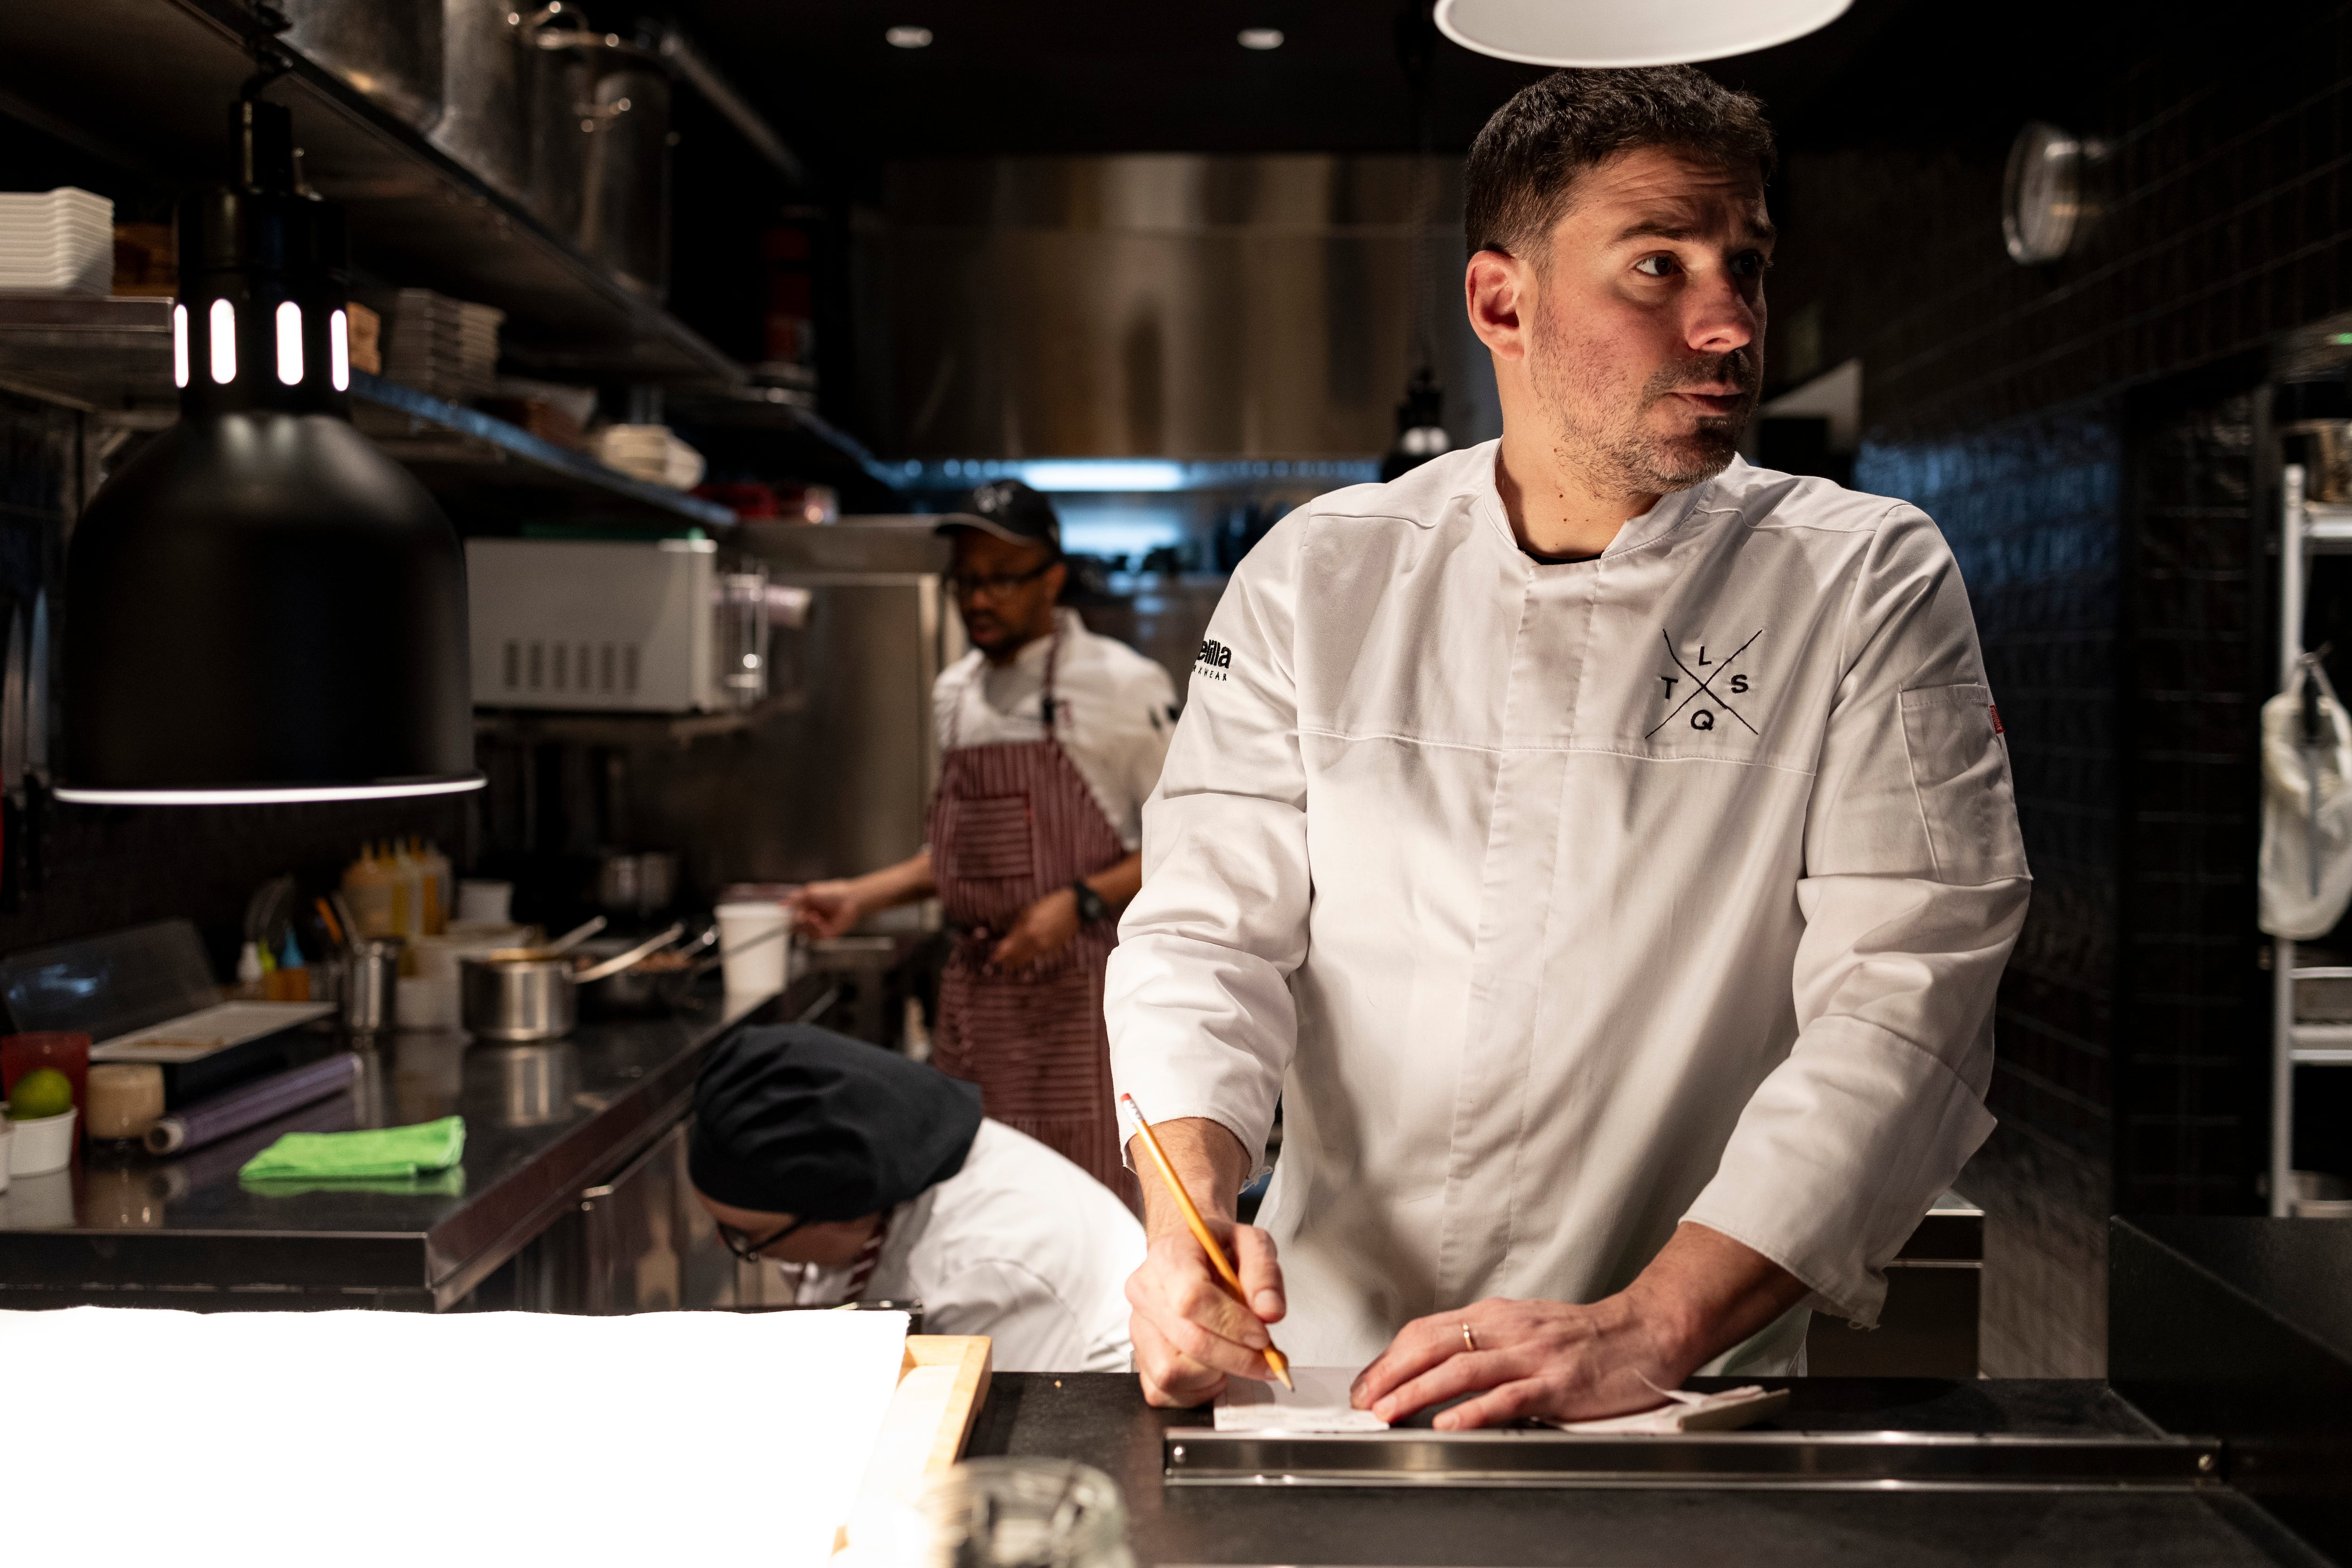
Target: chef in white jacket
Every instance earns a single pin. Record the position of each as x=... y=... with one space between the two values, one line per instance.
x=1604 y=849
x=878 y=1178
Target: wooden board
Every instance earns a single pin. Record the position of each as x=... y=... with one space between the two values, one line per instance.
x=942 y=1379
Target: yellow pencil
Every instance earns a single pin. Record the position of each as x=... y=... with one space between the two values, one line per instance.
x=1274 y=1359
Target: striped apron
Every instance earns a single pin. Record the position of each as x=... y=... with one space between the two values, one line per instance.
x=1011 y=823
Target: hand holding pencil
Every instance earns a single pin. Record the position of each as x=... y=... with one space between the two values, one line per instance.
x=1192 y=1329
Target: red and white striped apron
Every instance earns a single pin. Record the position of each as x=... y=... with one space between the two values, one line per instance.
x=1011 y=823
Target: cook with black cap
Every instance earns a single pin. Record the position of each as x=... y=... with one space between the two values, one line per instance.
x=1051 y=740
x=881 y=1179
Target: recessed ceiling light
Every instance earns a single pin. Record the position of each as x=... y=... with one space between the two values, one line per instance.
x=1261 y=37
x=910 y=37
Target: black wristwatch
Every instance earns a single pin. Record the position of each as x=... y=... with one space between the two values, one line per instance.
x=1091 y=907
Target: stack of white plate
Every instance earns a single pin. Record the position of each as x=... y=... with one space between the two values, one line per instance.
x=443 y=346
x=56 y=242
x=650 y=452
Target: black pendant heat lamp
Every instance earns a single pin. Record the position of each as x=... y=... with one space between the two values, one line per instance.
x=261 y=605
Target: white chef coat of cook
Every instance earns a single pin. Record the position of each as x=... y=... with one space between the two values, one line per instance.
x=1019 y=1244
x=1563 y=902
x=1121 y=710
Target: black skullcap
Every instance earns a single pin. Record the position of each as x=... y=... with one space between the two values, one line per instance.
x=800 y=1121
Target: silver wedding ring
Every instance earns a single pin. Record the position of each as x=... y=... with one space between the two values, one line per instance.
x=1469 y=1339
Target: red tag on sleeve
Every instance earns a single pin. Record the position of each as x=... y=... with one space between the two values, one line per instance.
x=1994 y=709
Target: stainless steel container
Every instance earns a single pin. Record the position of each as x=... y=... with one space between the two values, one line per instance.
x=483 y=121
x=517 y=999
x=389 y=49
x=635 y=883
x=370 y=973
x=625 y=215
x=559 y=79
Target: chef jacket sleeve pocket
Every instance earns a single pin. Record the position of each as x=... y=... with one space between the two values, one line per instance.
x=1959 y=769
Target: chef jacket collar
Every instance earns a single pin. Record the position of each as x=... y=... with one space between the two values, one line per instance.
x=1485 y=500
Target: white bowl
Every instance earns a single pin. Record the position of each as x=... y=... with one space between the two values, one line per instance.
x=43 y=1145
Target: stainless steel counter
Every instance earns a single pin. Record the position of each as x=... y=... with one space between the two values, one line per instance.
x=1700 y=1523
x=542 y=1123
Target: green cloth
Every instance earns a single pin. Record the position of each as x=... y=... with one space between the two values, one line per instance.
x=448 y=1183
x=371 y=1153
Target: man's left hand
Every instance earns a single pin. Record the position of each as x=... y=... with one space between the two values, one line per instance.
x=1041 y=929
x=1551 y=1360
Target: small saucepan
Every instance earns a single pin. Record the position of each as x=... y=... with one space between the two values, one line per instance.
x=524 y=994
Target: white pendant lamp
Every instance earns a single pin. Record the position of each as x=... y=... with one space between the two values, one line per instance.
x=1629 y=32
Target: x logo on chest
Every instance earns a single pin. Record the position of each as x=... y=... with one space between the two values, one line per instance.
x=1703 y=686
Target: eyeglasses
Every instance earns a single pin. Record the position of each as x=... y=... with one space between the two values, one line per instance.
x=741 y=1244
x=965 y=586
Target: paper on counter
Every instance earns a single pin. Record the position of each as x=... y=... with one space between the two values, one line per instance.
x=1687 y=1412
x=399 y=1439
x=1319 y=1404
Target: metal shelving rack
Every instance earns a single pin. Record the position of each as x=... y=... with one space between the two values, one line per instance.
x=2306 y=528
x=112 y=358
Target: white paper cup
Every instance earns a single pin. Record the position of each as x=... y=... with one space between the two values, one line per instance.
x=753 y=970
x=41 y=1145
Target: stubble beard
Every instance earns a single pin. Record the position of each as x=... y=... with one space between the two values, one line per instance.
x=1600 y=429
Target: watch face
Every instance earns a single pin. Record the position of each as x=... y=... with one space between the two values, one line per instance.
x=2042 y=208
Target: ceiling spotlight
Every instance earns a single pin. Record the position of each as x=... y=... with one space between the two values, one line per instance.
x=908 y=38
x=1261 y=37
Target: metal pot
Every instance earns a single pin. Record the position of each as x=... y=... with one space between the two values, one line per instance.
x=635 y=884
x=482 y=122
x=524 y=995
x=389 y=49
x=517 y=997
x=636 y=991
x=625 y=214
x=560 y=79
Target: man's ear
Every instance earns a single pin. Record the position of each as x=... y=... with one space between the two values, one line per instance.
x=1500 y=291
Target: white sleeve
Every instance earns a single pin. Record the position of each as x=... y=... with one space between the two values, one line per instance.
x=1034 y=1330
x=1198 y=996
x=1913 y=890
x=1151 y=699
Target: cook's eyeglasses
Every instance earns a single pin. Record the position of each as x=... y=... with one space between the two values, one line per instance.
x=741 y=1244
x=965 y=586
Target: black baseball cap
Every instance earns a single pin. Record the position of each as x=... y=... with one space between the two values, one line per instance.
x=1011 y=511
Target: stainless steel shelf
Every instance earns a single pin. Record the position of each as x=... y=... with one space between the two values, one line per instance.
x=114 y=357
x=622 y=730
x=149 y=83
x=450 y=446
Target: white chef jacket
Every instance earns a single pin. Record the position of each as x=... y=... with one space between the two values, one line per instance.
x=1021 y=1245
x=1564 y=903
x=1119 y=712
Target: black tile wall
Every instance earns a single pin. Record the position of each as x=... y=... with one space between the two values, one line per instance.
x=2085 y=433
x=106 y=868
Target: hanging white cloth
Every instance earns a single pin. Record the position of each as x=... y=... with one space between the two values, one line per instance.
x=2306 y=867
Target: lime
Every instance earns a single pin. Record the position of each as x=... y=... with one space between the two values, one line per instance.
x=44 y=1091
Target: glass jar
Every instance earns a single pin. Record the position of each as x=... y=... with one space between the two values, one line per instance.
x=1014 y=1513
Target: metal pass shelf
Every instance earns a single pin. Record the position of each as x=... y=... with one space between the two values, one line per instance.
x=114 y=357
x=2307 y=528
x=147 y=84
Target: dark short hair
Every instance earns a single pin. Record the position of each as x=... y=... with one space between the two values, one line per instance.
x=1516 y=185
